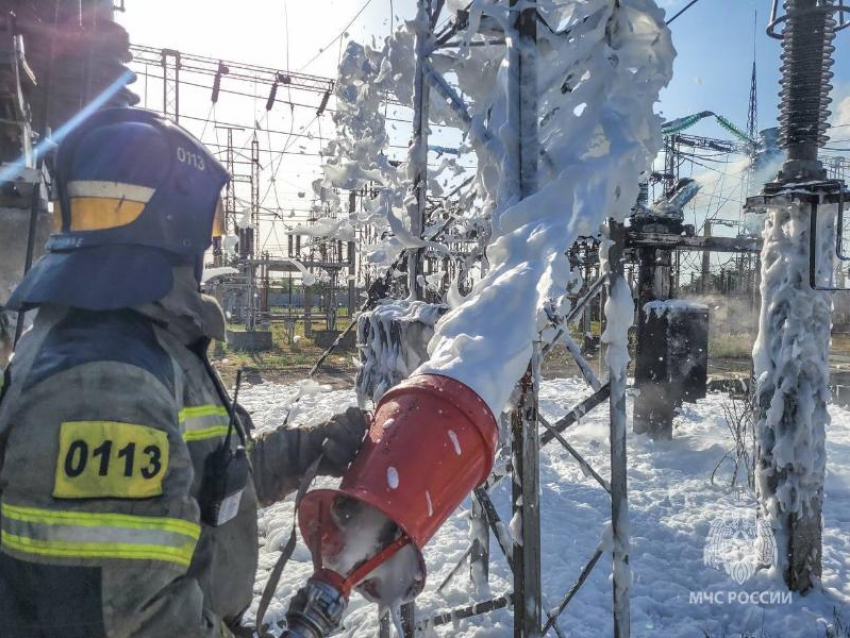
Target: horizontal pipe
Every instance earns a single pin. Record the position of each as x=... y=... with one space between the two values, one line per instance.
x=462 y=613
x=586 y=467
x=576 y=413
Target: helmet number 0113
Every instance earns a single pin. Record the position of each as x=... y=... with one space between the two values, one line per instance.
x=190 y=158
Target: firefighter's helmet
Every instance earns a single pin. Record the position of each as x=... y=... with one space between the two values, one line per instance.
x=135 y=195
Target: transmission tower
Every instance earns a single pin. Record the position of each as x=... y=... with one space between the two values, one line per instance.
x=753 y=124
x=171 y=84
x=230 y=189
x=753 y=112
x=255 y=195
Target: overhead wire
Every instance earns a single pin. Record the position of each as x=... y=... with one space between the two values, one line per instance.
x=261 y=124
x=340 y=35
x=328 y=111
x=207 y=121
x=282 y=152
x=688 y=6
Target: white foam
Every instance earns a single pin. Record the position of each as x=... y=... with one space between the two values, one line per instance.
x=392 y=477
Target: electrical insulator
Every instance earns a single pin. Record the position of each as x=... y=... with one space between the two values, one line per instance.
x=324 y=103
x=272 y=97
x=222 y=70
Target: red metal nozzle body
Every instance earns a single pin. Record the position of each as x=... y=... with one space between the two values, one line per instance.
x=432 y=441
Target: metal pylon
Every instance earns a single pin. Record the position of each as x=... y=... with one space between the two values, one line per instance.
x=171 y=84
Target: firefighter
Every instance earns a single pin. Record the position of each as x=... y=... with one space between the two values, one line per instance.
x=129 y=485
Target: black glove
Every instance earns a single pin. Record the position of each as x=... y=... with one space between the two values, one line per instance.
x=338 y=440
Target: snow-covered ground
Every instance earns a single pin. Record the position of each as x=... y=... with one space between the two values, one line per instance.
x=673 y=506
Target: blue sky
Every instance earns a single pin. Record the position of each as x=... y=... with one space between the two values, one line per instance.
x=714 y=40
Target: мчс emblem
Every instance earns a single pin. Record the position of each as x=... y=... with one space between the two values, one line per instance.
x=740 y=545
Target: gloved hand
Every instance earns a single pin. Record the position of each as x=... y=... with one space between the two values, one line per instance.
x=281 y=457
x=338 y=440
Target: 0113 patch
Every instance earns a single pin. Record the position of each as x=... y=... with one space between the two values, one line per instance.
x=102 y=459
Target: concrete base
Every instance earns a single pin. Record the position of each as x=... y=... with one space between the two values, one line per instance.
x=250 y=341
x=325 y=339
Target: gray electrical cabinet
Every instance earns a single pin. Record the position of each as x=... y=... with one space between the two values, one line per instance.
x=671 y=366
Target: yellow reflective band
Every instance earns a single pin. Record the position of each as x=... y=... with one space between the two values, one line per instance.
x=100 y=519
x=201 y=422
x=181 y=556
x=69 y=534
x=205 y=433
x=102 y=213
x=209 y=409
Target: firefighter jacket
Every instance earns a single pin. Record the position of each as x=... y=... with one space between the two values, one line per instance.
x=117 y=518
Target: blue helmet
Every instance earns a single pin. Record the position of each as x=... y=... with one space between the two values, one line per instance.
x=134 y=195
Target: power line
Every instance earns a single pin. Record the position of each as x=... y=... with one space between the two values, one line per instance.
x=328 y=111
x=286 y=31
x=688 y=6
x=342 y=33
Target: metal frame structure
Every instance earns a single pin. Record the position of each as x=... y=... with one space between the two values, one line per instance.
x=524 y=464
x=171 y=62
x=530 y=431
x=251 y=73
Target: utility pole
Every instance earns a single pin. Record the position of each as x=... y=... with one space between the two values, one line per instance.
x=251 y=234
x=352 y=262
x=793 y=380
x=418 y=154
x=230 y=188
x=254 y=231
x=671 y=163
x=705 y=280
